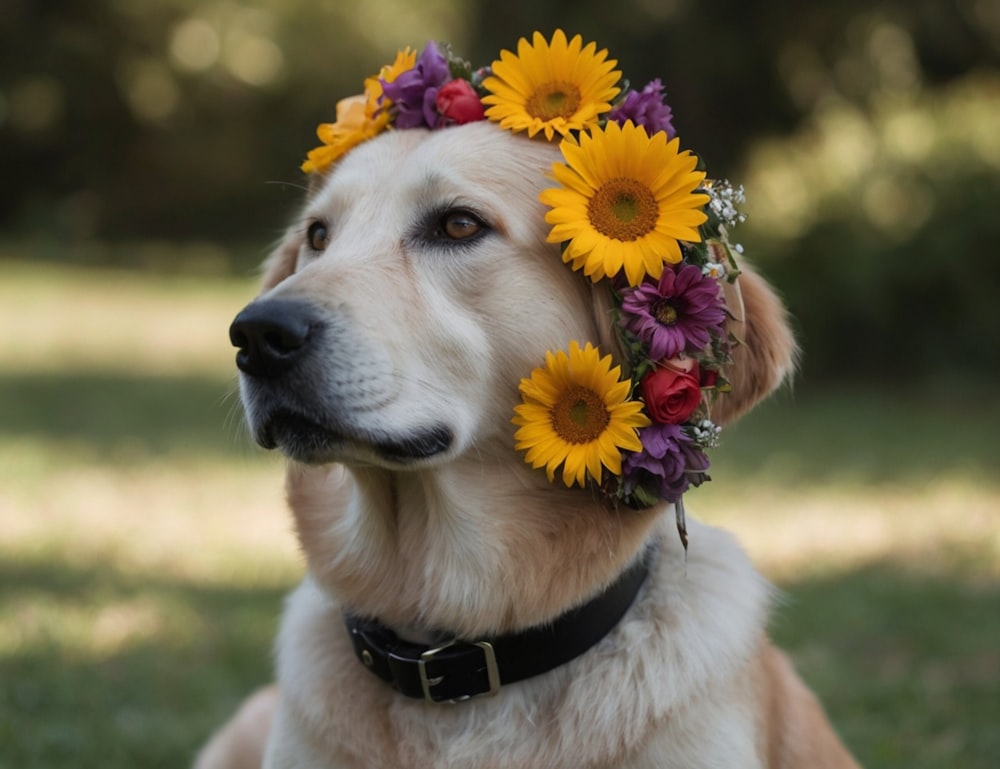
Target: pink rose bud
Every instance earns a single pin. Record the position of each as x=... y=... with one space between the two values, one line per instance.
x=458 y=101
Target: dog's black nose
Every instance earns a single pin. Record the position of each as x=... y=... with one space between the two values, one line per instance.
x=272 y=335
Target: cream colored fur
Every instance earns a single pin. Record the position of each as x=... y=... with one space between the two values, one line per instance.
x=472 y=539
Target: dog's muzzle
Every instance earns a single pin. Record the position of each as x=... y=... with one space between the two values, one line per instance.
x=286 y=352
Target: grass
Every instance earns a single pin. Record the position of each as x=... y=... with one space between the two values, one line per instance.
x=144 y=549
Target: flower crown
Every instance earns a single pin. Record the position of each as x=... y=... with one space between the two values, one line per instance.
x=630 y=208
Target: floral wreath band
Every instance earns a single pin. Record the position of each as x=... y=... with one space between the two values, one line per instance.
x=629 y=208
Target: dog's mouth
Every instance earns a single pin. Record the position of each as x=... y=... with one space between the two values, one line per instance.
x=308 y=441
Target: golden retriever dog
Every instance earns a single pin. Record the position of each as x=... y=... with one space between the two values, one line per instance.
x=383 y=358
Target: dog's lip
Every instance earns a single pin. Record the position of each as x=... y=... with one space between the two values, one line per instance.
x=422 y=443
x=307 y=440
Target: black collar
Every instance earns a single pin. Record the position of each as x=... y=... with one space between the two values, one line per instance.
x=458 y=670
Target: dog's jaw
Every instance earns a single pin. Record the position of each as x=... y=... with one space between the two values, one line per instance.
x=305 y=440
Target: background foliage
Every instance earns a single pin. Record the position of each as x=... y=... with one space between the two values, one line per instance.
x=867 y=133
x=150 y=155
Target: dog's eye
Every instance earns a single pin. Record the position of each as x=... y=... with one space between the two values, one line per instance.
x=317 y=236
x=460 y=225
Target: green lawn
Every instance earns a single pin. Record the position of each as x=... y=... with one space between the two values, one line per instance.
x=144 y=549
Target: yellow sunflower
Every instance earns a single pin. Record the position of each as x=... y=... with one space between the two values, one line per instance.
x=625 y=202
x=359 y=118
x=554 y=87
x=577 y=413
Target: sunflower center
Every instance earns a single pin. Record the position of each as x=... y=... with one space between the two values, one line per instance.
x=624 y=209
x=580 y=416
x=552 y=100
x=664 y=313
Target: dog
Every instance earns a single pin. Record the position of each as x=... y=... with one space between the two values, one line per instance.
x=383 y=358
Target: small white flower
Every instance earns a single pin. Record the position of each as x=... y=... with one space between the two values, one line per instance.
x=714 y=270
x=724 y=201
x=706 y=434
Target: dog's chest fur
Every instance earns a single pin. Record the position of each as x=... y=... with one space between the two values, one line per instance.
x=666 y=688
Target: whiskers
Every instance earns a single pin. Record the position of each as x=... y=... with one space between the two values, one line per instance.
x=234 y=424
x=291 y=185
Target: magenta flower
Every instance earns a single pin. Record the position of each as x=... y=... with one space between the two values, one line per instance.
x=414 y=92
x=646 y=108
x=675 y=314
x=668 y=464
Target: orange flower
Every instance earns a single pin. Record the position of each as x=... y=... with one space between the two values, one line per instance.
x=359 y=118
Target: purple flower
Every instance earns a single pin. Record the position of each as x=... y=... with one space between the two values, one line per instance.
x=414 y=92
x=675 y=314
x=646 y=108
x=668 y=464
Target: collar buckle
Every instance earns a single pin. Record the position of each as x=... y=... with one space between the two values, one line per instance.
x=429 y=681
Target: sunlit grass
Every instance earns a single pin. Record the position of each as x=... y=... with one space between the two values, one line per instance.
x=144 y=545
x=60 y=319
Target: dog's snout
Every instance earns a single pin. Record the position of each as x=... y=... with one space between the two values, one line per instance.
x=272 y=335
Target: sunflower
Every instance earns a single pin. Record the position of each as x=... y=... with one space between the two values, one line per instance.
x=554 y=87
x=359 y=118
x=578 y=414
x=626 y=200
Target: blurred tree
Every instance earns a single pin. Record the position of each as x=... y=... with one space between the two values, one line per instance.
x=866 y=131
x=160 y=119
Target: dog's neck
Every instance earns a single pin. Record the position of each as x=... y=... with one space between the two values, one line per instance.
x=469 y=548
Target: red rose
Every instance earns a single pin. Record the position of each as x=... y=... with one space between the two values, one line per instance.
x=671 y=396
x=458 y=101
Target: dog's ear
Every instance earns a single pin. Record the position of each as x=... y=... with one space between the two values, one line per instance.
x=281 y=263
x=766 y=353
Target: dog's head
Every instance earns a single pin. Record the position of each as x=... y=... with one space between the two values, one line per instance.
x=414 y=292
x=407 y=301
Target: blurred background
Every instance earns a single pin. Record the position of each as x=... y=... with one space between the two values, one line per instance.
x=149 y=154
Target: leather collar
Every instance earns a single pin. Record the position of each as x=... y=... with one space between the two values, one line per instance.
x=457 y=670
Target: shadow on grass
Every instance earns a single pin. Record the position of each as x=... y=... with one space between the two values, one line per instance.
x=121 y=417
x=906 y=663
x=148 y=699
x=866 y=436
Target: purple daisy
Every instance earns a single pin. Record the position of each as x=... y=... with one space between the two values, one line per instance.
x=414 y=92
x=669 y=463
x=646 y=108
x=675 y=314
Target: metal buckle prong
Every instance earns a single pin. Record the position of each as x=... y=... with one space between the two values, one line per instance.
x=492 y=671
